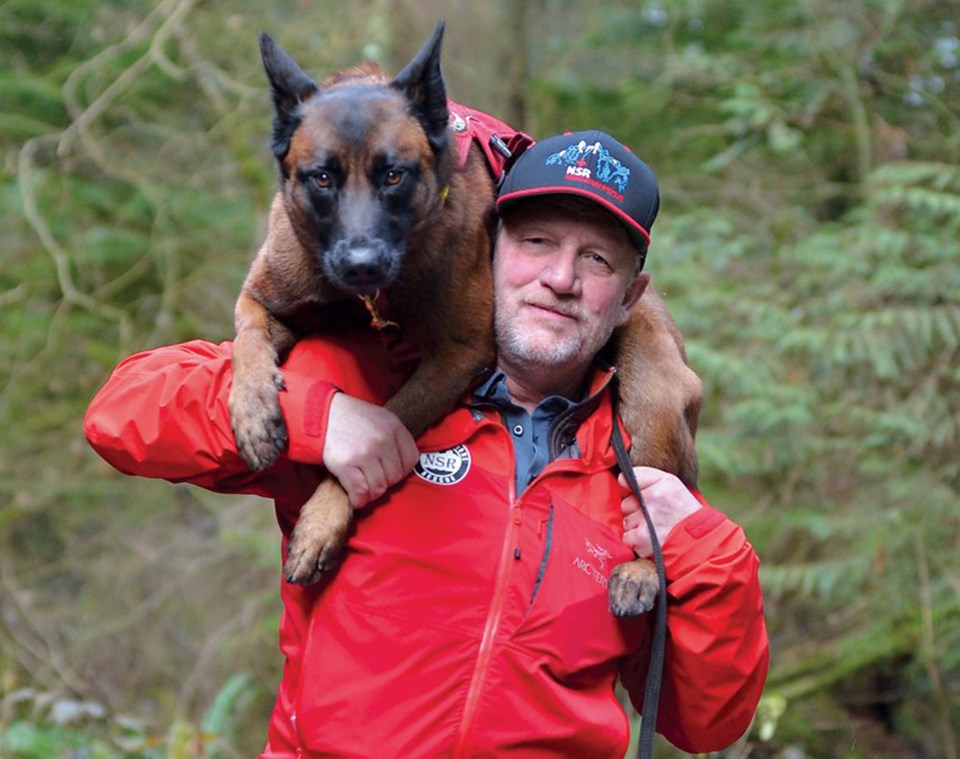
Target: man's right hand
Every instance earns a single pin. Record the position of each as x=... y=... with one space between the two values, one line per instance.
x=367 y=448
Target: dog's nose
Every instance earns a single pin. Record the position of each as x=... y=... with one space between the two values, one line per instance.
x=363 y=268
x=362 y=275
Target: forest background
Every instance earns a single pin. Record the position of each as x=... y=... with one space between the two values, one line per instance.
x=807 y=245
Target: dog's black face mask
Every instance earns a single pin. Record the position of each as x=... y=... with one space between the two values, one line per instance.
x=359 y=161
x=358 y=186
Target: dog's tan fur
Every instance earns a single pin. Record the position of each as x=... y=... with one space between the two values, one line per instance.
x=445 y=282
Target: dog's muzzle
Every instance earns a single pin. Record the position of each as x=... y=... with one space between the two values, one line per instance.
x=362 y=266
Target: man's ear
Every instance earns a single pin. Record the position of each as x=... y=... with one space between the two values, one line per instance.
x=632 y=295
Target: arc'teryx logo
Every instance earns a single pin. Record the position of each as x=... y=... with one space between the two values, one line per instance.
x=606 y=170
x=597 y=572
x=600 y=553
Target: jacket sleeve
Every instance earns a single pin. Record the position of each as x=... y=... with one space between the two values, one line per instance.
x=163 y=413
x=717 y=651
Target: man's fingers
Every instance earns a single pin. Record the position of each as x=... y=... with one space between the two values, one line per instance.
x=398 y=457
x=409 y=453
x=393 y=467
x=381 y=469
x=404 y=450
x=667 y=499
x=635 y=520
x=646 y=477
x=638 y=538
x=354 y=482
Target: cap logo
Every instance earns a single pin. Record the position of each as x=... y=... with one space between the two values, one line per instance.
x=592 y=164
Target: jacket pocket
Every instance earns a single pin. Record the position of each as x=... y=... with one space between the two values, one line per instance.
x=544 y=559
x=569 y=623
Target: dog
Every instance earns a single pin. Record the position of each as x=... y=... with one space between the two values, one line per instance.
x=373 y=198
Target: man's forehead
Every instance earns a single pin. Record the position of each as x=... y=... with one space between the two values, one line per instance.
x=598 y=227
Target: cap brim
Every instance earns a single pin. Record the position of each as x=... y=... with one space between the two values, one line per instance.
x=638 y=234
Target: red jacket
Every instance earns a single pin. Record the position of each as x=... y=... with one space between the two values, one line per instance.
x=466 y=619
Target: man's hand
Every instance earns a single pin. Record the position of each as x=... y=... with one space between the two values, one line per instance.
x=667 y=500
x=367 y=448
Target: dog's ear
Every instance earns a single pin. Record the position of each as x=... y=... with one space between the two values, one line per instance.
x=422 y=83
x=289 y=86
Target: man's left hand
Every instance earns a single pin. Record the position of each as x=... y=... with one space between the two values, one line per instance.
x=668 y=500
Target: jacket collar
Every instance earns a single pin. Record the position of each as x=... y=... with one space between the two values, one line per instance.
x=582 y=431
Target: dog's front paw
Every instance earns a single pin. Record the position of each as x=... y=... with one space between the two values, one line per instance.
x=633 y=588
x=316 y=545
x=257 y=420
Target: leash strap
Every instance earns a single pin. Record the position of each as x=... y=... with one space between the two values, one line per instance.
x=651 y=693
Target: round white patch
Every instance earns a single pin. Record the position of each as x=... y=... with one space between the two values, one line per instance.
x=444 y=467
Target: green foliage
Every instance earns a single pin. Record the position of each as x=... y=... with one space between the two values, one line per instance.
x=834 y=427
x=850 y=419
x=24 y=740
x=50 y=726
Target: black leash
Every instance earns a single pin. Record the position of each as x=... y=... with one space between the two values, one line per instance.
x=651 y=694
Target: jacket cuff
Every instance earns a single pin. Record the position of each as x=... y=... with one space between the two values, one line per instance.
x=306 y=410
x=706 y=538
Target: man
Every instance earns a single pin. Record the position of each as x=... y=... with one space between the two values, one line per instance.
x=469 y=616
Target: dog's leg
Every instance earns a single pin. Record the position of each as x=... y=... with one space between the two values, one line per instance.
x=255 y=414
x=660 y=406
x=318 y=538
x=321 y=531
x=320 y=534
x=453 y=325
x=660 y=394
x=439 y=381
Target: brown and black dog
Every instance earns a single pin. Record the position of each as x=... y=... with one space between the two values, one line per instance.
x=372 y=196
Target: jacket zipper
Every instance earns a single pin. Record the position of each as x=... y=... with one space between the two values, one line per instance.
x=508 y=553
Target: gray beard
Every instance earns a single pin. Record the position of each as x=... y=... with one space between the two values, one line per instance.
x=514 y=345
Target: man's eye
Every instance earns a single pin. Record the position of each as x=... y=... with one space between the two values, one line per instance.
x=393 y=177
x=598 y=262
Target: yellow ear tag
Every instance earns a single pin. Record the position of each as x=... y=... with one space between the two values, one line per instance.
x=444 y=192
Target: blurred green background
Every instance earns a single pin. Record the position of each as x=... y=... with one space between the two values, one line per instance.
x=807 y=246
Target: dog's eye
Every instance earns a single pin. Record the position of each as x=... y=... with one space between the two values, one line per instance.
x=323 y=180
x=392 y=177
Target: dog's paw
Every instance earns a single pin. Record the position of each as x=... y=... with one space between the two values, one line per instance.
x=633 y=588
x=318 y=539
x=307 y=563
x=257 y=420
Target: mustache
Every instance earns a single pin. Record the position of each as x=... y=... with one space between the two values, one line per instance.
x=553 y=304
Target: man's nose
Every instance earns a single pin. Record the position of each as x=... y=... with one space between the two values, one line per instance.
x=561 y=273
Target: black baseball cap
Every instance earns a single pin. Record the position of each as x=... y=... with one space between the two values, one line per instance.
x=595 y=166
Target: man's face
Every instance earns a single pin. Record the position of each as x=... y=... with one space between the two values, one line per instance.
x=562 y=285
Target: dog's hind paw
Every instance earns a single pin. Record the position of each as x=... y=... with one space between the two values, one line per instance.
x=633 y=588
